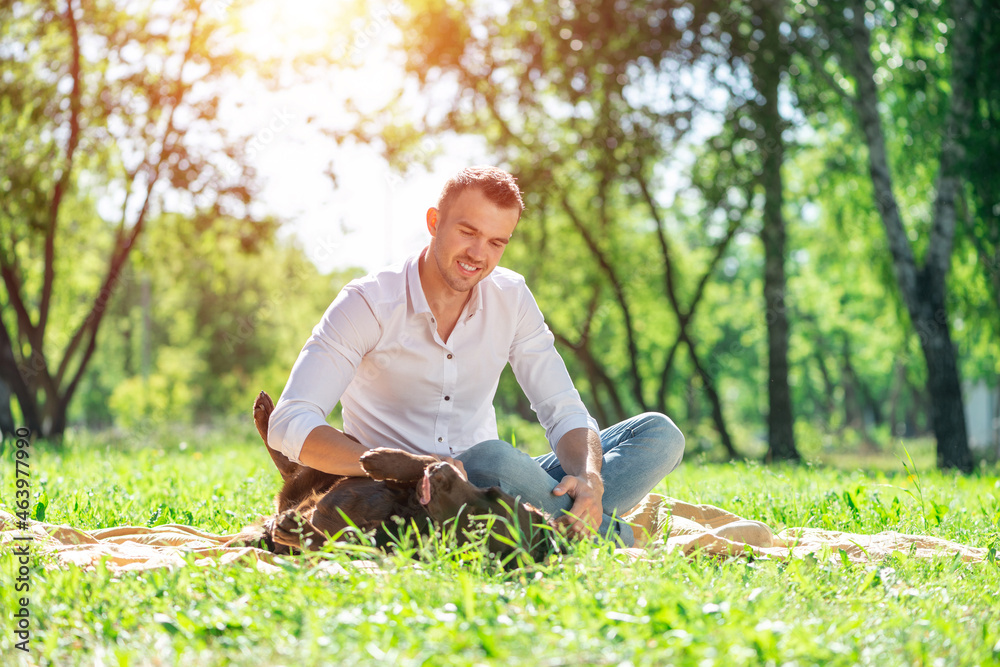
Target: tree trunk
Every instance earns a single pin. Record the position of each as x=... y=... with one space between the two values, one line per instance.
x=767 y=67
x=6 y=417
x=828 y=386
x=618 y=287
x=945 y=388
x=11 y=374
x=853 y=417
x=924 y=289
x=898 y=384
x=692 y=405
x=713 y=398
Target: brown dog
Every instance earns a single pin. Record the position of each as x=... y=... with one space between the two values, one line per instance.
x=401 y=489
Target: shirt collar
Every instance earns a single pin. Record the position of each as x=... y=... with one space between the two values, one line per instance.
x=476 y=300
x=418 y=300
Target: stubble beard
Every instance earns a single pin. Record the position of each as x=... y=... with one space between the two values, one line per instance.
x=453 y=279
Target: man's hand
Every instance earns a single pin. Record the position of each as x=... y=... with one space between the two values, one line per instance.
x=579 y=452
x=585 y=515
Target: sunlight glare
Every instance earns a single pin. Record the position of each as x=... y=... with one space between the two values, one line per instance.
x=276 y=29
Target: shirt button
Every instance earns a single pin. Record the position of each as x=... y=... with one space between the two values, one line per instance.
x=440 y=439
x=447 y=398
x=450 y=356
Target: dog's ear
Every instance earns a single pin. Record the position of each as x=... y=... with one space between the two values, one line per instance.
x=494 y=493
x=385 y=463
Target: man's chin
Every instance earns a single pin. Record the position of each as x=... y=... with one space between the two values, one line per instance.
x=461 y=283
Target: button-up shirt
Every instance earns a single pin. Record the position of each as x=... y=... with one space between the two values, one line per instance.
x=378 y=352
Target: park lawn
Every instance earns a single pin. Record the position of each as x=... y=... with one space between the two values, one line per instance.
x=585 y=608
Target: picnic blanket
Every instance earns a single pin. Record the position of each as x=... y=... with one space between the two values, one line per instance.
x=706 y=529
x=137 y=548
x=673 y=525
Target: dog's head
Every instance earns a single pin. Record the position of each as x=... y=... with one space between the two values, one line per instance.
x=512 y=524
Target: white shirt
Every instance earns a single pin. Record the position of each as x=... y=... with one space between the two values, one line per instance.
x=377 y=351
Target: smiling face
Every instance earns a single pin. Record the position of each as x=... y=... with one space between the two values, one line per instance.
x=468 y=240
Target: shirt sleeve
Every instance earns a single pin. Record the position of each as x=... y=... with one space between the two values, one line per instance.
x=542 y=374
x=325 y=367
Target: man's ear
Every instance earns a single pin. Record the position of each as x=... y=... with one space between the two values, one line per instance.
x=432 y=220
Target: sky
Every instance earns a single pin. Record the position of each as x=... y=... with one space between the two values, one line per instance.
x=374 y=216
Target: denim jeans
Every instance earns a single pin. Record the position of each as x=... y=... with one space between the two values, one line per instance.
x=638 y=453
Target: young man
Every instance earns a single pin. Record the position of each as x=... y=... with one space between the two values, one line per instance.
x=414 y=355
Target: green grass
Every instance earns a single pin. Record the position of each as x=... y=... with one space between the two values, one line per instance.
x=585 y=608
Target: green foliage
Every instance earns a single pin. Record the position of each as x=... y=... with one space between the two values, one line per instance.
x=104 y=109
x=216 y=310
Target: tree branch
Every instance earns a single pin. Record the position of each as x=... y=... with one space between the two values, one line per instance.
x=963 y=63
x=62 y=184
x=619 y=291
x=125 y=242
x=866 y=105
x=595 y=371
x=11 y=374
x=684 y=317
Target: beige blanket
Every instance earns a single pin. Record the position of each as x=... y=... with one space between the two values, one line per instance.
x=706 y=529
x=132 y=548
x=671 y=525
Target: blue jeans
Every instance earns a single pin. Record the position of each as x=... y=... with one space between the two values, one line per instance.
x=638 y=453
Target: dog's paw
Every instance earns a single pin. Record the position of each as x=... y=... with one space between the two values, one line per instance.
x=293 y=530
x=252 y=536
x=263 y=406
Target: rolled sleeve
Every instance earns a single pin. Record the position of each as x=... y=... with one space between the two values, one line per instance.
x=570 y=422
x=543 y=376
x=323 y=370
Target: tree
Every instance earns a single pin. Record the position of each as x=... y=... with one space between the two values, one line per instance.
x=101 y=106
x=199 y=328
x=767 y=60
x=922 y=285
x=979 y=203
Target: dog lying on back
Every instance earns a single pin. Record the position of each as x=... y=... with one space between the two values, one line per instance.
x=401 y=489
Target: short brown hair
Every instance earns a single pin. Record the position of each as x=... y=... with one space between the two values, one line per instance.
x=499 y=186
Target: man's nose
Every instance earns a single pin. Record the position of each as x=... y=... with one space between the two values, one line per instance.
x=477 y=249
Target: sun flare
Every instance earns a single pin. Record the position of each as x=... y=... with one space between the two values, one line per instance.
x=274 y=29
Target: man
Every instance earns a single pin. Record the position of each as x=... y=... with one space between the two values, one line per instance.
x=414 y=355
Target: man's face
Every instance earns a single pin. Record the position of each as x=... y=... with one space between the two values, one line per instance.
x=469 y=241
